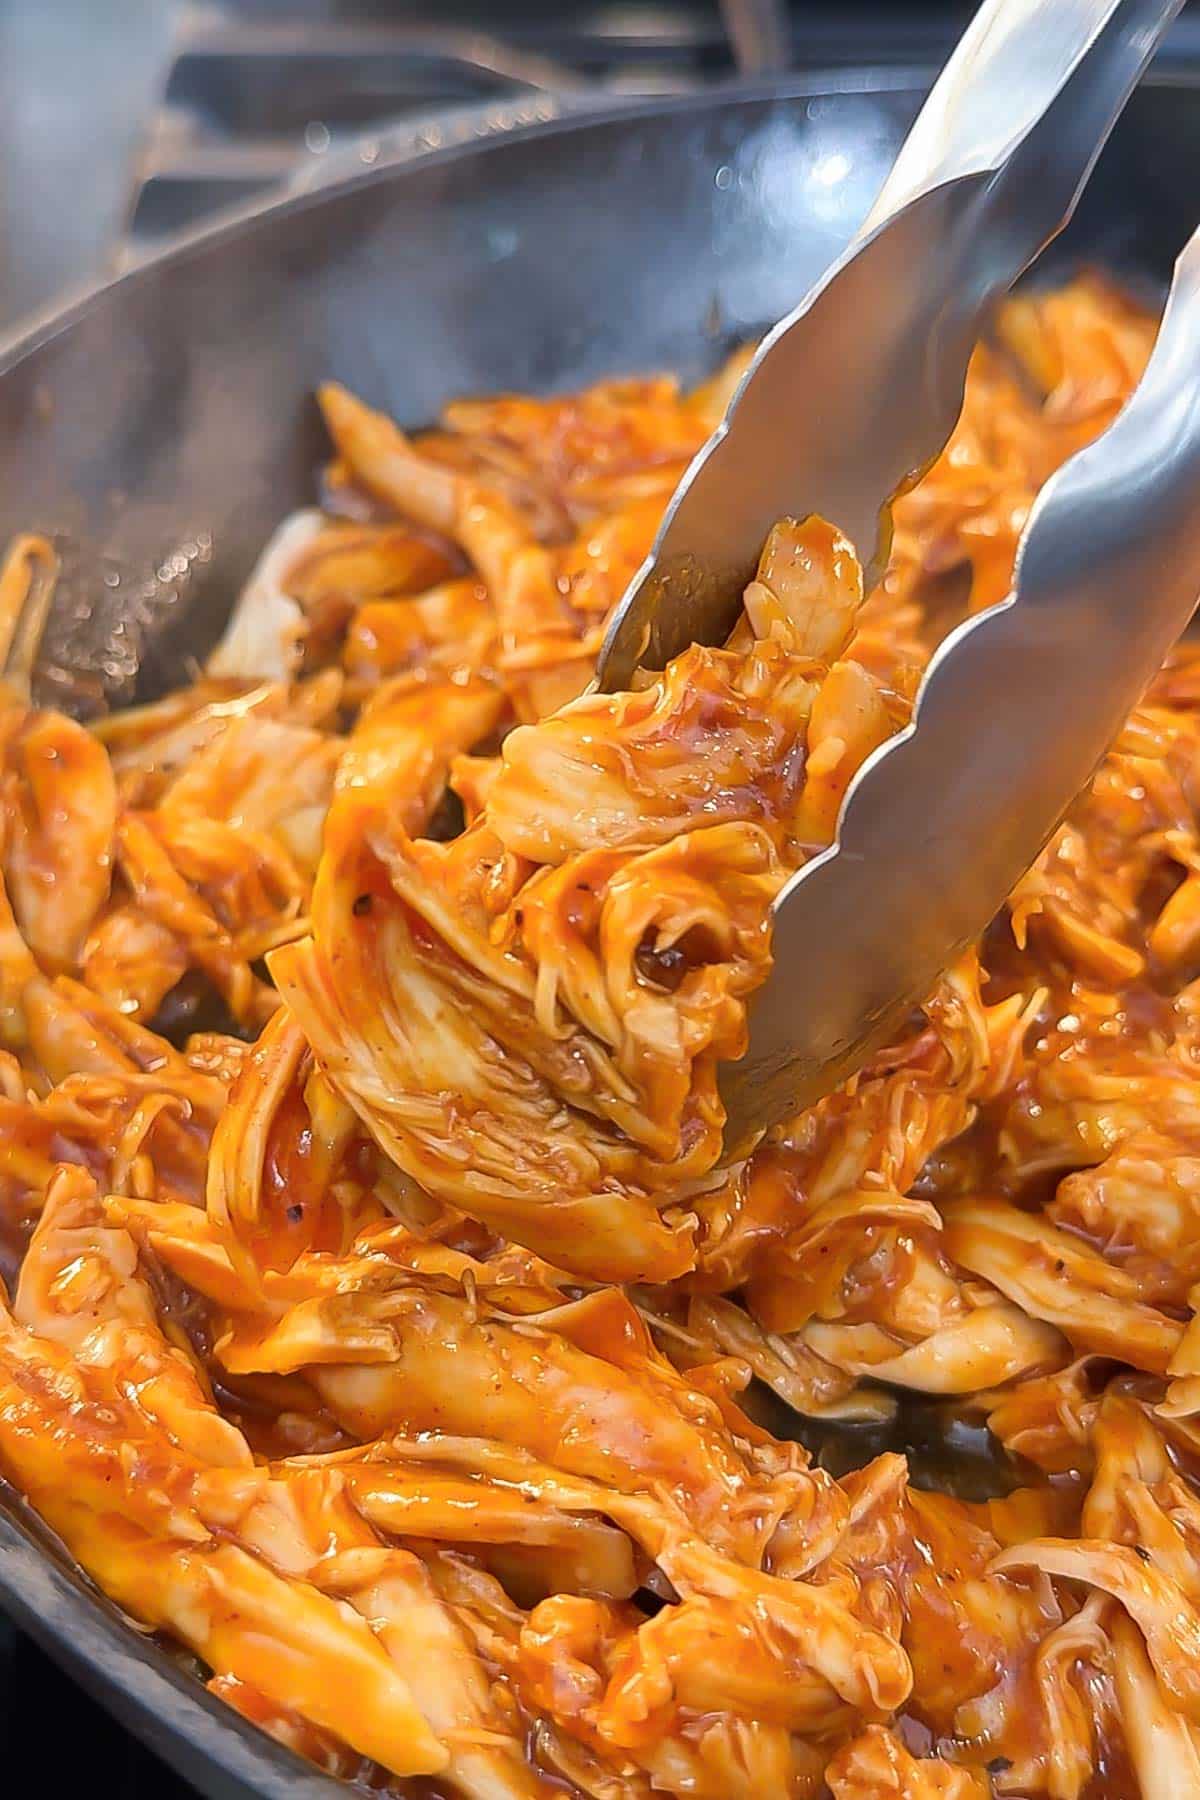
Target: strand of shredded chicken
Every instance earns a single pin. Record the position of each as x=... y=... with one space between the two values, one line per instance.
x=382 y=1323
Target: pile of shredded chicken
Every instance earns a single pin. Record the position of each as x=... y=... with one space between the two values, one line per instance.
x=384 y=1326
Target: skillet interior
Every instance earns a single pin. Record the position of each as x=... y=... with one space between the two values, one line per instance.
x=162 y=428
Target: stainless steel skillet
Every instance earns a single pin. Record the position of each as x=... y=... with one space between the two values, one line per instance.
x=163 y=426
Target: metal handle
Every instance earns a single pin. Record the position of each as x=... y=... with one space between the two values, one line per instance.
x=999 y=155
x=1033 y=87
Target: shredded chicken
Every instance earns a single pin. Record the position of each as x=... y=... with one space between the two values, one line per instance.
x=381 y=1320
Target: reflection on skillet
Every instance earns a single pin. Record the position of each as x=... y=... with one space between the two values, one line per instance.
x=383 y=1328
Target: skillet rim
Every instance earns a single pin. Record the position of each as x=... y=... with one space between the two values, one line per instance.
x=483 y=128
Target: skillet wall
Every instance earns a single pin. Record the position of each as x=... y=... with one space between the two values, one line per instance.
x=171 y=413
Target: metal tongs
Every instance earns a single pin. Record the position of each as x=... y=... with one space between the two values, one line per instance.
x=844 y=405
